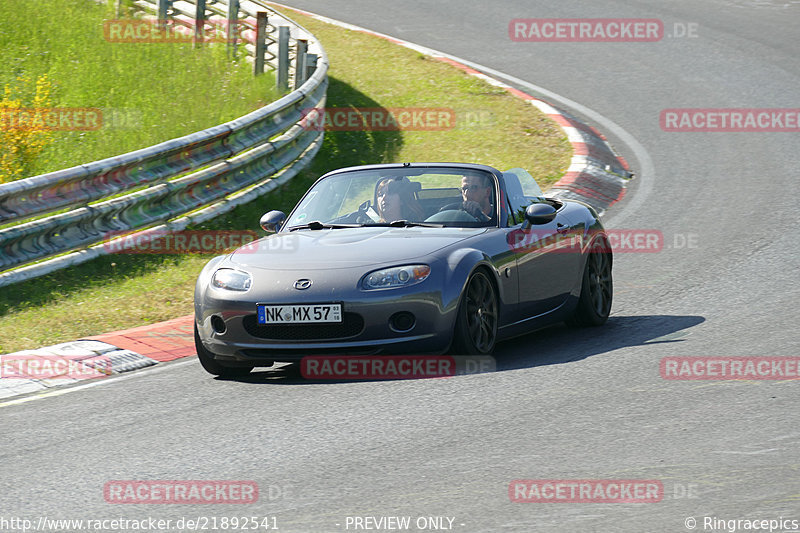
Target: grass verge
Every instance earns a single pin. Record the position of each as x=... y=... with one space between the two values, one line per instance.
x=147 y=92
x=122 y=291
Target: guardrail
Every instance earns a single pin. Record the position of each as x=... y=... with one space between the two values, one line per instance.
x=175 y=183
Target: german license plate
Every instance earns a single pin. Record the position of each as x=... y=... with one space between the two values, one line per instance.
x=299 y=314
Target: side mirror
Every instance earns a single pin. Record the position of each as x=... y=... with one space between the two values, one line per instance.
x=272 y=221
x=538 y=214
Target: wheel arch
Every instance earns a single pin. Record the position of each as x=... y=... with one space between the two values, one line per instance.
x=464 y=263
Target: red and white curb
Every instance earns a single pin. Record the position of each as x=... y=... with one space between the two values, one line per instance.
x=64 y=364
x=115 y=353
x=596 y=176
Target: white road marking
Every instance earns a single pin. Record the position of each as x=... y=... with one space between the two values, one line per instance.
x=757 y=452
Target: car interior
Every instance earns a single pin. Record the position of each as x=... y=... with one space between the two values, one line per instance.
x=432 y=200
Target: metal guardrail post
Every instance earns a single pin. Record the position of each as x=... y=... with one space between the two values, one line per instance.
x=199 y=23
x=282 y=78
x=233 y=27
x=261 y=42
x=300 y=63
x=311 y=64
x=164 y=8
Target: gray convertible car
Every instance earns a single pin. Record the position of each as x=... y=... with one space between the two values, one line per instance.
x=412 y=258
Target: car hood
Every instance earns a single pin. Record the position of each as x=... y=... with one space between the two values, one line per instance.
x=346 y=247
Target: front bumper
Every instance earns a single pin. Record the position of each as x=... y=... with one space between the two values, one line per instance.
x=366 y=328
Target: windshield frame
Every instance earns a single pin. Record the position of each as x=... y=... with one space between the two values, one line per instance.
x=378 y=172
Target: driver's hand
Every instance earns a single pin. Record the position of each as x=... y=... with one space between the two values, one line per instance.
x=474 y=209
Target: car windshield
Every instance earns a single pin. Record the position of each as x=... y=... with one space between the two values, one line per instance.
x=442 y=196
x=529 y=186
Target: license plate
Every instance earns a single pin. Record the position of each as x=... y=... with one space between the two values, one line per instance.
x=299 y=314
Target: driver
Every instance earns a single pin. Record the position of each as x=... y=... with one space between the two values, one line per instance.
x=476 y=190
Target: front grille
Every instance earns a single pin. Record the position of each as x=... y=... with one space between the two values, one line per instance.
x=297 y=354
x=351 y=325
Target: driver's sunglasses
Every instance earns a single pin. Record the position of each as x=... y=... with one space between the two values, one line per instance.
x=465 y=188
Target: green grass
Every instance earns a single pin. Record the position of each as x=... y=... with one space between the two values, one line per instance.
x=122 y=291
x=148 y=92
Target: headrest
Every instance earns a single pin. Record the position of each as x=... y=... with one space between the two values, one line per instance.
x=399 y=184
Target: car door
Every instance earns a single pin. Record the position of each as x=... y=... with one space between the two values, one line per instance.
x=548 y=257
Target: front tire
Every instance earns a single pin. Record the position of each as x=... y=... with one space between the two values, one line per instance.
x=476 y=324
x=597 y=288
x=214 y=367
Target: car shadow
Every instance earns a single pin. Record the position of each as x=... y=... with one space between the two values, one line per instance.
x=554 y=345
x=560 y=344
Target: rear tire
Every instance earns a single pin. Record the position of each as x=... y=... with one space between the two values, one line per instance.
x=597 y=288
x=476 y=324
x=214 y=367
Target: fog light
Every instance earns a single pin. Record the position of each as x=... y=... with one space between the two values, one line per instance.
x=402 y=321
x=217 y=324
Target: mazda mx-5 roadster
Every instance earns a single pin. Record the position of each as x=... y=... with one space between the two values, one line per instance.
x=412 y=258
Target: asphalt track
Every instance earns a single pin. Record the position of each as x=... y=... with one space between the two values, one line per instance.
x=563 y=404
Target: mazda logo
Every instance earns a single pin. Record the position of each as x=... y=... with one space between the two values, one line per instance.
x=302 y=284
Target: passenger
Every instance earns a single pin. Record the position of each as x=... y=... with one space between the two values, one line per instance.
x=394 y=199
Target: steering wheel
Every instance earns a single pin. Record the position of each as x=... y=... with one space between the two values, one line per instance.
x=479 y=216
x=451 y=215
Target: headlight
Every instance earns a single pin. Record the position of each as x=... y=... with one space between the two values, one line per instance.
x=396 y=277
x=232 y=280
